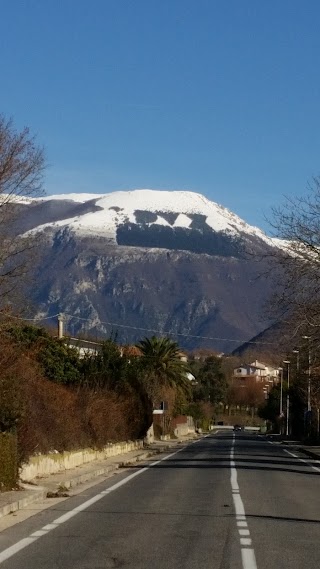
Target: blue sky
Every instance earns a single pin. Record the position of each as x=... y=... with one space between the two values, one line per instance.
x=221 y=97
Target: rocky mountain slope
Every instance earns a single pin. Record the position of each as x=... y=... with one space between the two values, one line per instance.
x=139 y=261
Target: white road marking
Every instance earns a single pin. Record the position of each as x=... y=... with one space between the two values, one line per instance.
x=244 y=532
x=247 y=541
x=234 y=480
x=248 y=558
x=49 y=526
x=13 y=549
x=308 y=463
x=39 y=533
x=239 y=507
x=10 y=551
x=247 y=552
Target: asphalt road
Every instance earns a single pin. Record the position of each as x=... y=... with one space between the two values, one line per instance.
x=226 y=501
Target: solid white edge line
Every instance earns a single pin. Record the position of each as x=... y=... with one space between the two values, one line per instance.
x=15 y=548
x=289 y=452
x=10 y=551
x=307 y=462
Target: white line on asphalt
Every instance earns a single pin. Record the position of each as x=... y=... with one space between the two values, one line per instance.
x=234 y=480
x=247 y=541
x=10 y=551
x=239 y=507
x=13 y=549
x=244 y=532
x=247 y=552
x=302 y=460
x=49 y=526
x=40 y=533
x=248 y=558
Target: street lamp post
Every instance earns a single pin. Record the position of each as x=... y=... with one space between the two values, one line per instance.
x=298 y=360
x=288 y=395
x=297 y=374
x=281 y=398
x=309 y=386
x=309 y=382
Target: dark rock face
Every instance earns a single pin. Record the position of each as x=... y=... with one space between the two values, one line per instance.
x=179 y=238
x=208 y=301
x=50 y=211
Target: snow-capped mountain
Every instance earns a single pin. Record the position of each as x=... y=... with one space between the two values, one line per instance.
x=104 y=214
x=128 y=262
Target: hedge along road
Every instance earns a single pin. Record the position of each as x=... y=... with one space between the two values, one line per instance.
x=225 y=501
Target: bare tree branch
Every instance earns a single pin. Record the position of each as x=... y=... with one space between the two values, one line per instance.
x=22 y=165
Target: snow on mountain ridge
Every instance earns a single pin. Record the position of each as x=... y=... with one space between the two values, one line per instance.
x=120 y=207
x=75 y=197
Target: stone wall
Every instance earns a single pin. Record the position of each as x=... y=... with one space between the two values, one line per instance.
x=44 y=465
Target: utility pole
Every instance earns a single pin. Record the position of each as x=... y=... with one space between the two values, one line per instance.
x=288 y=395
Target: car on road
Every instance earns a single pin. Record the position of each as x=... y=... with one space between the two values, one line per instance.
x=237 y=428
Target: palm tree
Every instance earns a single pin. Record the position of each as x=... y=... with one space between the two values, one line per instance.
x=161 y=359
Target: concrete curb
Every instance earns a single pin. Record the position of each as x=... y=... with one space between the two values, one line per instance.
x=71 y=482
x=30 y=497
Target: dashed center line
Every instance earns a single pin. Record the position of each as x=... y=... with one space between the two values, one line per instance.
x=247 y=552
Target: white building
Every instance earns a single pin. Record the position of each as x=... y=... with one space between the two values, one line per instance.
x=257 y=370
